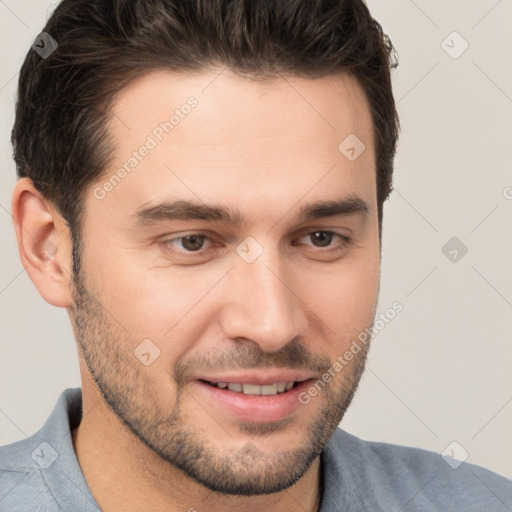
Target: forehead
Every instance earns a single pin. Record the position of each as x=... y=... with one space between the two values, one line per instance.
x=226 y=101
x=212 y=134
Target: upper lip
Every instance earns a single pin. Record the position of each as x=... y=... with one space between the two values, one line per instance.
x=257 y=377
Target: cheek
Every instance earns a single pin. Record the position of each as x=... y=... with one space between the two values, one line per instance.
x=346 y=300
x=154 y=303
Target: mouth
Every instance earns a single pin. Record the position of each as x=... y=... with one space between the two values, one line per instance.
x=254 y=398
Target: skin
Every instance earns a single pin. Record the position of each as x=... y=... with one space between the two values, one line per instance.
x=265 y=148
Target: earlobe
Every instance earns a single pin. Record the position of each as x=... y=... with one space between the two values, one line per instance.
x=44 y=243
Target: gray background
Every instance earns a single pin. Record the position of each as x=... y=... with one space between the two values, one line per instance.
x=440 y=371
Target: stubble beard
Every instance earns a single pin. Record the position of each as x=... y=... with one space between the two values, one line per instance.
x=107 y=351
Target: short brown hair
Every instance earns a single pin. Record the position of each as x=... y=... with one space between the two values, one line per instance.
x=60 y=136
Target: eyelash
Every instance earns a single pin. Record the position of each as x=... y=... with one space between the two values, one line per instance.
x=345 y=240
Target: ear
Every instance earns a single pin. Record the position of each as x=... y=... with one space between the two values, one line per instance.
x=44 y=243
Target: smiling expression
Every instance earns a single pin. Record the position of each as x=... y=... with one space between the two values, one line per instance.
x=228 y=269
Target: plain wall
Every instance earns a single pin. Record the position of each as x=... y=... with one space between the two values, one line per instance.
x=440 y=370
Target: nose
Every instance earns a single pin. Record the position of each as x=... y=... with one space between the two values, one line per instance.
x=261 y=303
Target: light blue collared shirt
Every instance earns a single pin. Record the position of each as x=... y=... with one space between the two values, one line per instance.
x=41 y=473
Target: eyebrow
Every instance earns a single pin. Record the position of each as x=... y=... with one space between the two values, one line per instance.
x=190 y=210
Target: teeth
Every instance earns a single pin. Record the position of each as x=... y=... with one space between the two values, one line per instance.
x=254 y=389
x=270 y=389
x=251 y=389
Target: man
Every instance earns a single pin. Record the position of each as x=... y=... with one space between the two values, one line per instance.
x=201 y=187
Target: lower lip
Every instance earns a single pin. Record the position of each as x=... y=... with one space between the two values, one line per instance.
x=255 y=408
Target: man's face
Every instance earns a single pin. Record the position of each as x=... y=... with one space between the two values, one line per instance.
x=255 y=300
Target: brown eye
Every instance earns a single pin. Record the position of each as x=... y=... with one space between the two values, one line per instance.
x=321 y=238
x=187 y=244
x=192 y=242
x=324 y=239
